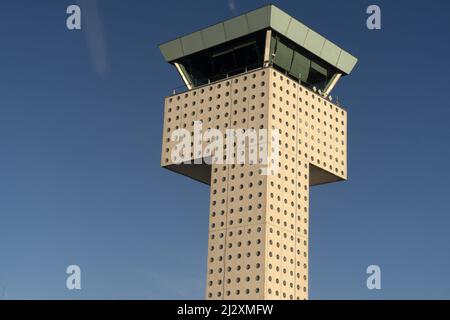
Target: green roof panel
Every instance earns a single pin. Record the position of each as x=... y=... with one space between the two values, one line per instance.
x=258 y=19
x=330 y=52
x=297 y=32
x=192 y=43
x=236 y=27
x=279 y=20
x=314 y=42
x=172 y=50
x=346 y=62
x=213 y=35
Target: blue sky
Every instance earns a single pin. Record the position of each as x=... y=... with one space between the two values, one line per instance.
x=80 y=137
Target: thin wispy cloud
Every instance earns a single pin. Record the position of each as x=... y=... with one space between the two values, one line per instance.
x=232 y=6
x=93 y=30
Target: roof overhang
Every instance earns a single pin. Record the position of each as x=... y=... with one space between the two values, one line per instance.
x=267 y=17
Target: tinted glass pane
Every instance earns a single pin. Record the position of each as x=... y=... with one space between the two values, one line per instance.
x=224 y=60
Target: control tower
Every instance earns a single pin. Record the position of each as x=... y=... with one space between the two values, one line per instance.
x=267 y=76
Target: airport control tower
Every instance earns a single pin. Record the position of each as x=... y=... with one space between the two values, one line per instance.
x=260 y=72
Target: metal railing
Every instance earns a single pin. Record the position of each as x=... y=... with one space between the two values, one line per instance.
x=220 y=77
x=243 y=70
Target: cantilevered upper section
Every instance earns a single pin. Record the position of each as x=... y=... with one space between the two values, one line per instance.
x=243 y=42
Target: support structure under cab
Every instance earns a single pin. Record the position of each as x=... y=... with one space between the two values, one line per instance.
x=260 y=70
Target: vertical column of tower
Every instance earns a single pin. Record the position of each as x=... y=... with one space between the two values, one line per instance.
x=258 y=234
x=217 y=232
x=302 y=206
x=218 y=98
x=236 y=257
x=286 y=250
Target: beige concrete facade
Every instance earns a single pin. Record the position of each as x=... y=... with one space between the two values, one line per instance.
x=258 y=225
